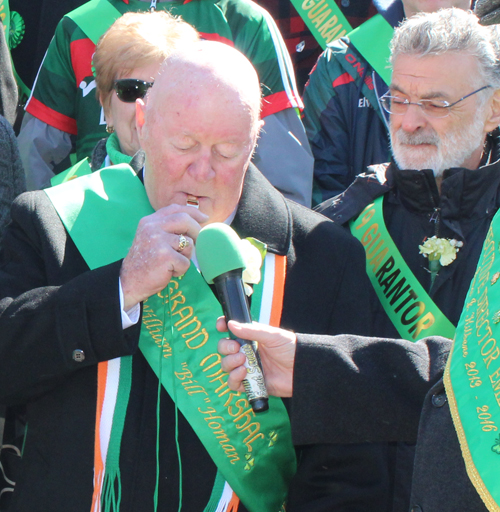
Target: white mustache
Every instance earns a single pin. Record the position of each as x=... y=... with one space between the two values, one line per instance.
x=414 y=139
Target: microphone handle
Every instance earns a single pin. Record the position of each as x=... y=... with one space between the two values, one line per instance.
x=231 y=294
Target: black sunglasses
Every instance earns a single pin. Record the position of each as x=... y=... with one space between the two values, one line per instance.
x=130 y=89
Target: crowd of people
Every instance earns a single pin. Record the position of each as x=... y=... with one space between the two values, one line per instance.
x=368 y=223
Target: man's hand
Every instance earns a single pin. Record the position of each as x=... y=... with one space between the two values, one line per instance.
x=276 y=349
x=154 y=257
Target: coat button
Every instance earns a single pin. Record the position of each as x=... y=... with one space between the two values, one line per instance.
x=78 y=355
x=439 y=399
x=416 y=508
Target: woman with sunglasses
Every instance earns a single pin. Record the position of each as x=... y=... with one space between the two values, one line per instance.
x=126 y=60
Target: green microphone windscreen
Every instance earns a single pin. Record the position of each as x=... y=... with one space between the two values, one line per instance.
x=218 y=250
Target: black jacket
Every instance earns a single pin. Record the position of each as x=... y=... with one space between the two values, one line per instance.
x=52 y=304
x=385 y=390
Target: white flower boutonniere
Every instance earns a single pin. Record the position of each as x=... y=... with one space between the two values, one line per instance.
x=442 y=249
x=253 y=260
x=440 y=252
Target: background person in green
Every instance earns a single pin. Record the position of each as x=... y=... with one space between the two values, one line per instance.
x=63 y=319
x=345 y=125
x=63 y=108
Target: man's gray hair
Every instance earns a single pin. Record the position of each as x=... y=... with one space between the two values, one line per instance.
x=450 y=30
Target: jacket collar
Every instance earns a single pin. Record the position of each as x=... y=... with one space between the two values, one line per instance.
x=464 y=192
x=263 y=213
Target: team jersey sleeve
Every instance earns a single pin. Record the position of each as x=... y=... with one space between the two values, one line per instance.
x=53 y=97
x=257 y=36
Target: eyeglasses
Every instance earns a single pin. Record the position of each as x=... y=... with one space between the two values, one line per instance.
x=432 y=108
x=130 y=89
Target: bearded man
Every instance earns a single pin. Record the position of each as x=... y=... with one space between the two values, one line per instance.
x=444 y=180
x=423 y=217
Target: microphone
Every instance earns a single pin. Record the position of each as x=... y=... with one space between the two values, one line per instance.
x=218 y=250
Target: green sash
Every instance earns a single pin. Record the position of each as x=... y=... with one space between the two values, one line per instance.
x=472 y=375
x=407 y=304
x=372 y=40
x=81 y=168
x=254 y=453
x=94 y=18
x=323 y=18
x=327 y=23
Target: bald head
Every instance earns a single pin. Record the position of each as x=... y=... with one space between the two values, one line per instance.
x=199 y=128
x=208 y=71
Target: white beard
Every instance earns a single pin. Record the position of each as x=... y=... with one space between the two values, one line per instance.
x=452 y=150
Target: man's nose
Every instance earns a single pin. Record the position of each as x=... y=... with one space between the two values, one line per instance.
x=413 y=119
x=201 y=167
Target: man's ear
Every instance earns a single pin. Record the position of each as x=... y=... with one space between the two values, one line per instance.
x=140 y=116
x=493 y=120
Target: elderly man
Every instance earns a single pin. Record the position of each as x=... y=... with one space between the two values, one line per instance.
x=345 y=125
x=439 y=195
x=127 y=415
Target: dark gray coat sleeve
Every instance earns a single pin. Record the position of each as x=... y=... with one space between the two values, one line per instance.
x=12 y=181
x=8 y=85
x=352 y=389
x=51 y=304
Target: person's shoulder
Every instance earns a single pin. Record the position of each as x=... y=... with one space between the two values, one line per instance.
x=367 y=186
x=29 y=202
x=339 y=49
x=337 y=56
x=316 y=226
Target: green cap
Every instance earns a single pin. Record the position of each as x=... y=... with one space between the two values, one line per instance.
x=218 y=250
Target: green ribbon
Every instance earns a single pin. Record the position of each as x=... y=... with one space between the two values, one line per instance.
x=372 y=40
x=472 y=375
x=324 y=19
x=327 y=23
x=95 y=17
x=254 y=453
x=409 y=307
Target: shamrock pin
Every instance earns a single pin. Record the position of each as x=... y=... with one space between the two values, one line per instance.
x=496 y=447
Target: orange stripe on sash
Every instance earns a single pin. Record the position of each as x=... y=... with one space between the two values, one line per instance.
x=234 y=503
x=102 y=373
x=279 y=290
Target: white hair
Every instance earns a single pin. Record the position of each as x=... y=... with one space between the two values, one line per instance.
x=451 y=30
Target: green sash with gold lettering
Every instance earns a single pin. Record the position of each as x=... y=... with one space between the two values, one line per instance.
x=472 y=375
x=409 y=307
x=327 y=23
x=254 y=453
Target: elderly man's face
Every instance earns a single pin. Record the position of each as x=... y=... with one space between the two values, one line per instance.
x=198 y=145
x=423 y=142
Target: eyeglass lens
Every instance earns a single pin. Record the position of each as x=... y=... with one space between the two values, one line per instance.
x=398 y=106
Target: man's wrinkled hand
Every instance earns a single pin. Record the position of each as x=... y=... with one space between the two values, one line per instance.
x=156 y=254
